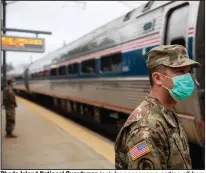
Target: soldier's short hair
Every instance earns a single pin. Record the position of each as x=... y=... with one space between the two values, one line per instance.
x=160 y=69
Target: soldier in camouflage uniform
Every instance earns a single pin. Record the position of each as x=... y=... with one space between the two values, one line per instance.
x=9 y=102
x=152 y=137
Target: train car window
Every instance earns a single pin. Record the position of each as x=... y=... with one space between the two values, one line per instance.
x=18 y=78
x=34 y=75
x=62 y=70
x=111 y=63
x=53 y=72
x=128 y=15
x=147 y=6
x=73 y=68
x=89 y=66
x=180 y=41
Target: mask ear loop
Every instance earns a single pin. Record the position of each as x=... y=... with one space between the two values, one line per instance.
x=166 y=87
x=167 y=77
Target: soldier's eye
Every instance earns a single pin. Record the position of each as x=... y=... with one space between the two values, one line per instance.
x=181 y=71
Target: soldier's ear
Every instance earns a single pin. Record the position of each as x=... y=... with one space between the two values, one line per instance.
x=156 y=78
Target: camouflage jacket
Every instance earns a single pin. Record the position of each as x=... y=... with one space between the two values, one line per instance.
x=152 y=138
x=9 y=100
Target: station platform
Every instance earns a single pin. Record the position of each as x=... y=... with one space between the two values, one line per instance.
x=47 y=140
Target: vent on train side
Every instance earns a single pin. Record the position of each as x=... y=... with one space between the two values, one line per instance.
x=147 y=6
x=128 y=15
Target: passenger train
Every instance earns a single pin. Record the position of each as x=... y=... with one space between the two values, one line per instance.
x=103 y=76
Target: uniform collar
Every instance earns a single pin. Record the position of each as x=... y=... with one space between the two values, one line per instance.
x=166 y=113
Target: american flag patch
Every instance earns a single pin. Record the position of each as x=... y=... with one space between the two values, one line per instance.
x=139 y=150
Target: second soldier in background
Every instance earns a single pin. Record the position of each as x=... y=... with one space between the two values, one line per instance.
x=9 y=102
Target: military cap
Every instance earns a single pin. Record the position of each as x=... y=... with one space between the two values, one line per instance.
x=173 y=56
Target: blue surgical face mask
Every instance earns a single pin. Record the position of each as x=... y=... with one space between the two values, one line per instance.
x=183 y=87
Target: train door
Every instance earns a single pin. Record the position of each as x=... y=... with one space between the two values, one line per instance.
x=177 y=25
x=200 y=54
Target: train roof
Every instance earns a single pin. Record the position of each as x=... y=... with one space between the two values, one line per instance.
x=45 y=62
x=17 y=71
x=62 y=53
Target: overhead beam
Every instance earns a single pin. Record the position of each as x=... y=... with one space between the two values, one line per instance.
x=26 y=31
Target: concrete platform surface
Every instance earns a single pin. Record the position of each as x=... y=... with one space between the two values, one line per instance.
x=41 y=144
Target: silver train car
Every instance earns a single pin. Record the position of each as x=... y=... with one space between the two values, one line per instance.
x=103 y=75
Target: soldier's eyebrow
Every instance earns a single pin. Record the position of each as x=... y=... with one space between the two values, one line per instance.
x=178 y=69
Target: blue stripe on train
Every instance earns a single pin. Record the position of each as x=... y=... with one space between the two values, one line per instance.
x=134 y=64
x=190 y=47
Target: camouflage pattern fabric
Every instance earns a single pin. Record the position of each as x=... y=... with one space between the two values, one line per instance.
x=173 y=56
x=9 y=99
x=10 y=120
x=152 y=138
x=9 y=102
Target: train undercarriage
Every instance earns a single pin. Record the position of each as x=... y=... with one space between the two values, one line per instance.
x=99 y=119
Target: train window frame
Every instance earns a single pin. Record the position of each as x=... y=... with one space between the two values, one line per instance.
x=147 y=6
x=128 y=16
x=18 y=78
x=178 y=42
x=86 y=61
x=77 y=70
x=65 y=70
x=110 y=61
x=34 y=76
x=51 y=72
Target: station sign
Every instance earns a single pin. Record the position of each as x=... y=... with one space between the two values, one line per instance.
x=22 y=44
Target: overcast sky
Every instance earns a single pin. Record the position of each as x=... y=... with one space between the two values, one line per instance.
x=67 y=20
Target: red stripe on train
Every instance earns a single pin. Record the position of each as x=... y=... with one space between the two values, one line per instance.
x=116 y=49
x=145 y=44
